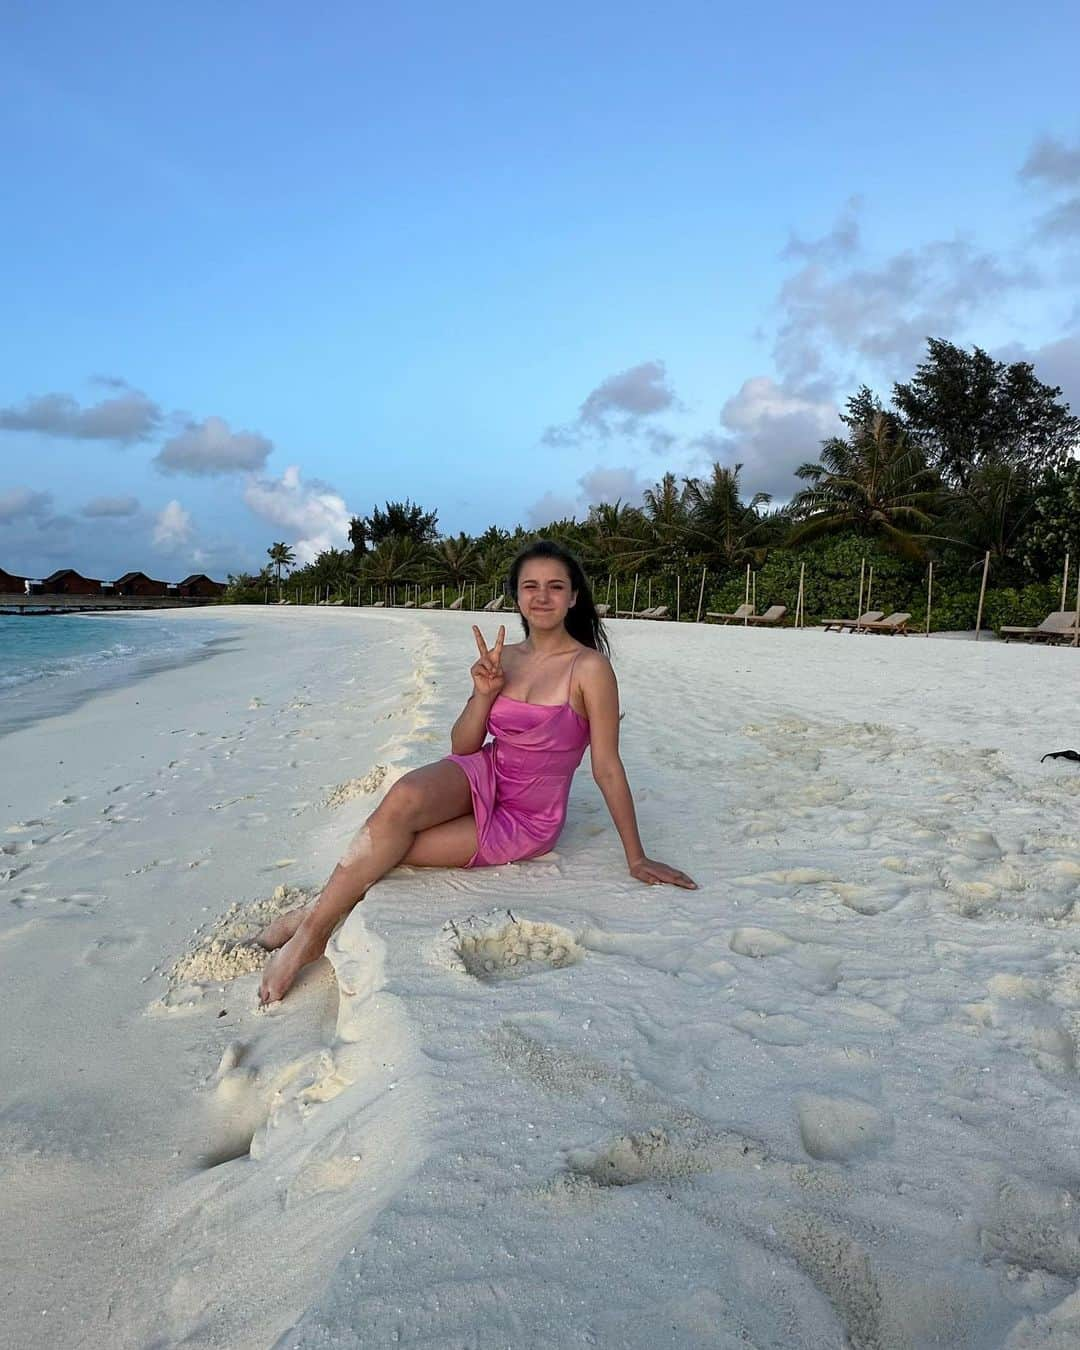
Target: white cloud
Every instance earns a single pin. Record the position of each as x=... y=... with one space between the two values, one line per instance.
x=129 y=416
x=209 y=447
x=104 y=507
x=619 y=403
x=771 y=429
x=313 y=513
x=173 y=528
x=19 y=504
x=603 y=483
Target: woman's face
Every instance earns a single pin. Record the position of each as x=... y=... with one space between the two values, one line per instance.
x=543 y=592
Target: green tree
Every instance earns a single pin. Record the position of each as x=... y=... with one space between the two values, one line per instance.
x=399 y=520
x=281 y=555
x=721 y=528
x=455 y=559
x=1052 y=528
x=875 y=482
x=395 y=560
x=966 y=409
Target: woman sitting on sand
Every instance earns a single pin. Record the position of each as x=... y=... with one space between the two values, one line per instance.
x=504 y=801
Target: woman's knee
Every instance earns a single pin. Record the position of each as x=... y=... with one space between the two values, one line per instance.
x=410 y=800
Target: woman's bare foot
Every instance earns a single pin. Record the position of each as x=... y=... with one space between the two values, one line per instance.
x=280 y=972
x=276 y=934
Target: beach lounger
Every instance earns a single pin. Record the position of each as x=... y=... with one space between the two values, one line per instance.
x=494 y=606
x=602 y=610
x=455 y=604
x=431 y=604
x=409 y=604
x=379 y=604
x=772 y=616
x=839 y=625
x=1056 y=627
x=629 y=613
x=743 y=612
x=894 y=625
x=657 y=612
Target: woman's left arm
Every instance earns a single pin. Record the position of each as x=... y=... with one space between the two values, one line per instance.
x=601 y=694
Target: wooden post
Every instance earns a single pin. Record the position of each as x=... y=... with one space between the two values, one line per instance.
x=616 y=597
x=701 y=596
x=753 y=590
x=1065 y=582
x=747 y=600
x=678 y=582
x=443 y=588
x=1076 y=622
x=266 y=595
x=607 y=598
x=800 y=608
x=982 y=594
x=650 y=604
x=929 y=595
x=862 y=579
x=633 y=602
x=869 y=586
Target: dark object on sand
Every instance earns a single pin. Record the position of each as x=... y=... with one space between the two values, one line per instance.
x=1062 y=754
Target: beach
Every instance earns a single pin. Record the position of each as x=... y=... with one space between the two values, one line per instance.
x=828 y=1098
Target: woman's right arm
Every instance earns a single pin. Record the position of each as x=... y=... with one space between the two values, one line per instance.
x=467 y=735
x=488 y=677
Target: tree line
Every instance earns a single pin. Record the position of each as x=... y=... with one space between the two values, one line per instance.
x=970 y=456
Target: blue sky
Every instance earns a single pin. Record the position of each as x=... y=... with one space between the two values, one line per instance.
x=269 y=266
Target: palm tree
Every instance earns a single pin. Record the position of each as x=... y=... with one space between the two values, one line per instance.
x=877 y=483
x=723 y=528
x=281 y=555
x=455 y=558
x=396 y=560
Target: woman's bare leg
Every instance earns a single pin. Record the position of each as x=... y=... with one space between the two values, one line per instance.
x=436 y=795
x=450 y=844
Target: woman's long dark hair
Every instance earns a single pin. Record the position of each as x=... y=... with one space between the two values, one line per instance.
x=582 y=620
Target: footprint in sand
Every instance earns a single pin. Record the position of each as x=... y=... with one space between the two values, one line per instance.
x=773 y=1028
x=490 y=950
x=836 y=1129
x=759 y=942
x=657 y=1154
x=1035 y=1227
x=110 y=949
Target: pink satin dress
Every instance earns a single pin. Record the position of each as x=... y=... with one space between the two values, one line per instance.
x=520 y=781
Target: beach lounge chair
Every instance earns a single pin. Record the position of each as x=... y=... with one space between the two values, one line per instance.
x=839 y=625
x=602 y=610
x=657 y=612
x=894 y=625
x=1056 y=627
x=772 y=616
x=494 y=606
x=409 y=604
x=743 y=612
x=431 y=604
x=455 y=604
x=379 y=604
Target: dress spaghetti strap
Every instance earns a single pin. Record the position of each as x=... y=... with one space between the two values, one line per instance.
x=570 y=677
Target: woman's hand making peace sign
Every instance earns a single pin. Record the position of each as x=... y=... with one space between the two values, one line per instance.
x=487 y=674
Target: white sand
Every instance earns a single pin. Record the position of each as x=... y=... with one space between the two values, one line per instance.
x=829 y=1098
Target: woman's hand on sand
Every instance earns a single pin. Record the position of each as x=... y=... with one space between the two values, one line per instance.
x=658 y=873
x=487 y=673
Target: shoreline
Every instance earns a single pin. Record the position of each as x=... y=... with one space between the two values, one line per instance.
x=52 y=695
x=835 y=1085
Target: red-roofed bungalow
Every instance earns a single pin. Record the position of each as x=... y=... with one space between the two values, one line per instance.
x=10 y=583
x=138 y=583
x=68 y=582
x=200 y=587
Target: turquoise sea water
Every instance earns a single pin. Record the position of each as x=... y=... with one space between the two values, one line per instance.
x=51 y=663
